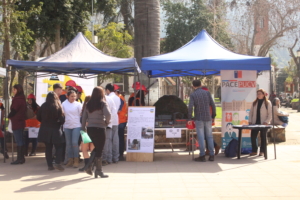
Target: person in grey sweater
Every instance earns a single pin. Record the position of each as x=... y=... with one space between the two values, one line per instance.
x=98 y=116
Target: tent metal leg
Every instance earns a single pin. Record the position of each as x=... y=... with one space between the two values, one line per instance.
x=148 y=91
x=271 y=89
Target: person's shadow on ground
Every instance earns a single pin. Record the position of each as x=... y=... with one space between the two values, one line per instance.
x=52 y=185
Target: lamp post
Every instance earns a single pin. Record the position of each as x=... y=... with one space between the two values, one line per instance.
x=298 y=70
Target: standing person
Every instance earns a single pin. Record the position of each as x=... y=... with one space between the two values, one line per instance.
x=69 y=85
x=278 y=113
x=88 y=146
x=17 y=116
x=32 y=109
x=57 y=88
x=114 y=139
x=2 y=142
x=97 y=114
x=139 y=99
x=107 y=155
x=72 y=110
x=79 y=92
x=122 y=124
x=200 y=102
x=51 y=116
x=260 y=113
x=217 y=148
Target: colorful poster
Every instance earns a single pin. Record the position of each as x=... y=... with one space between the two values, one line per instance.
x=140 y=129
x=238 y=93
x=45 y=85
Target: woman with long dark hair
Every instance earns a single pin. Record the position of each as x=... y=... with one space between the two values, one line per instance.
x=260 y=113
x=17 y=116
x=72 y=110
x=98 y=116
x=52 y=117
x=88 y=146
x=32 y=109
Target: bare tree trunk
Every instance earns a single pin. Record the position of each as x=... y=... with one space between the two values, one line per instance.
x=57 y=38
x=44 y=49
x=6 y=43
x=126 y=13
x=146 y=31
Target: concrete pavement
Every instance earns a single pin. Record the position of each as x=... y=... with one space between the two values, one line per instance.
x=170 y=176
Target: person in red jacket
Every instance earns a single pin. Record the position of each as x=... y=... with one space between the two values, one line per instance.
x=17 y=116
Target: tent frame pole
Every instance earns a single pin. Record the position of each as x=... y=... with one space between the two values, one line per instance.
x=271 y=89
x=148 y=91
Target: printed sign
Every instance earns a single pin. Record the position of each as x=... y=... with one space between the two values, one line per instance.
x=238 y=93
x=173 y=133
x=33 y=132
x=140 y=129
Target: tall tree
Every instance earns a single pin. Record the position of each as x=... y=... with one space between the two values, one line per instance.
x=146 y=30
x=258 y=25
x=184 y=20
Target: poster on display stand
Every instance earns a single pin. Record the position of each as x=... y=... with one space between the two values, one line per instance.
x=140 y=129
x=238 y=91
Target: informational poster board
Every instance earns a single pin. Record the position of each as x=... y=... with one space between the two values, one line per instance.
x=33 y=132
x=45 y=85
x=238 y=92
x=173 y=133
x=140 y=129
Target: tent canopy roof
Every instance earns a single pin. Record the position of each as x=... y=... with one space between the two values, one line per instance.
x=79 y=56
x=201 y=56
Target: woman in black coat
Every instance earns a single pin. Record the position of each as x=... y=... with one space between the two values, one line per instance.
x=51 y=116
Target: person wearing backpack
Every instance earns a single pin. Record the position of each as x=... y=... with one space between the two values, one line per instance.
x=260 y=113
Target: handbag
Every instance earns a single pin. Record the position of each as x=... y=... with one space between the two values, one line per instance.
x=284 y=119
x=9 y=127
x=85 y=137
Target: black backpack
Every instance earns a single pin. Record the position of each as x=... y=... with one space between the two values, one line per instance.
x=232 y=148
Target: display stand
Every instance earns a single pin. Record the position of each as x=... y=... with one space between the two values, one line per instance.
x=140 y=134
x=139 y=157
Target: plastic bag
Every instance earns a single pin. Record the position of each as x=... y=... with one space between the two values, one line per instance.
x=85 y=137
x=9 y=128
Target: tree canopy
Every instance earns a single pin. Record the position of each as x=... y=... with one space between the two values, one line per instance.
x=184 y=20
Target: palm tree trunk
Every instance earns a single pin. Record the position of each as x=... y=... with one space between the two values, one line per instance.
x=146 y=30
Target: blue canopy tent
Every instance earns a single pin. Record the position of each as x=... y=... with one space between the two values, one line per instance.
x=80 y=56
x=202 y=56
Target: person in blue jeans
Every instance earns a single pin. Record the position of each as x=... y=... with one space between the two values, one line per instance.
x=17 y=116
x=72 y=127
x=201 y=102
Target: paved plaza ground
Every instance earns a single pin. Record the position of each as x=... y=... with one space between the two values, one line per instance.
x=170 y=176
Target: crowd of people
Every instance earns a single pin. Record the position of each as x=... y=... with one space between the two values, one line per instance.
x=103 y=116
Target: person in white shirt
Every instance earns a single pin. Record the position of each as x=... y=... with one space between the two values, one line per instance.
x=72 y=127
x=111 y=152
